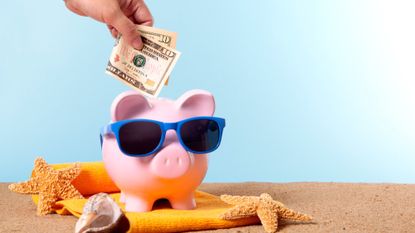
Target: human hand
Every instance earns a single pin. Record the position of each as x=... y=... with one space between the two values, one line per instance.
x=121 y=16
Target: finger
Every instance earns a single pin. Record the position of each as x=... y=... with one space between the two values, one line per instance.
x=70 y=5
x=143 y=16
x=113 y=31
x=127 y=29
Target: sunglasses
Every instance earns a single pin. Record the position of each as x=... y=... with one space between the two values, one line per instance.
x=143 y=137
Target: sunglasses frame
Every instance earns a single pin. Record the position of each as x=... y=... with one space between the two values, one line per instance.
x=114 y=129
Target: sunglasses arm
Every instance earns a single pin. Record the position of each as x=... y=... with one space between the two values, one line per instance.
x=106 y=130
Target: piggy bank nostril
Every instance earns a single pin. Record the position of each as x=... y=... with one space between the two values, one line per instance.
x=173 y=161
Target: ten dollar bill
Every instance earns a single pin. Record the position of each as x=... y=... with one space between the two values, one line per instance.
x=146 y=70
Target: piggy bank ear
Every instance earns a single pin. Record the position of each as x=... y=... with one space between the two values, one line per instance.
x=128 y=105
x=197 y=103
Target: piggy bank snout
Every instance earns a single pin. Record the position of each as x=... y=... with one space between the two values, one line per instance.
x=171 y=162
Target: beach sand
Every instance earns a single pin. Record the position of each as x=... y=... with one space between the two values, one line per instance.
x=336 y=207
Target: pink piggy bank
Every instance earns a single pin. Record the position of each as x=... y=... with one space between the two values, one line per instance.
x=157 y=148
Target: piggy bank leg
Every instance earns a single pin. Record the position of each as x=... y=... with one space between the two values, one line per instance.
x=137 y=204
x=186 y=202
x=122 y=197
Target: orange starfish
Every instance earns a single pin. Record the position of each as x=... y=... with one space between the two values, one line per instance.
x=267 y=210
x=51 y=185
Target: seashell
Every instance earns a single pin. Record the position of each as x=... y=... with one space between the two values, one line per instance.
x=101 y=214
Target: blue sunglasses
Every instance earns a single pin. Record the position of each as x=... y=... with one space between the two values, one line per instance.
x=143 y=137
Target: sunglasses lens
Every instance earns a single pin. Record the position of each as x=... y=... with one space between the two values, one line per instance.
x=139 y=138
x=200 y=135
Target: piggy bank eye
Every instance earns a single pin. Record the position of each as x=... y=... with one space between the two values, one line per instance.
x=213 y=126
x=200 y=135
x=139 y=137
x=203 y=127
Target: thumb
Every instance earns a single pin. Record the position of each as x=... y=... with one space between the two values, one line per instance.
x=127 y=29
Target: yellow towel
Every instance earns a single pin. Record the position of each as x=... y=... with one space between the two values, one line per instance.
x=94 y=179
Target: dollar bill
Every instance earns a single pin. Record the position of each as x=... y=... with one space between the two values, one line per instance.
x=159 y=35
x=145 y=70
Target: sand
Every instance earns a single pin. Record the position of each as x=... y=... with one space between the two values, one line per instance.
x=336 y=207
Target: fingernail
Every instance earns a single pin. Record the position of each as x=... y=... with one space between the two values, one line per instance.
x=137 y=44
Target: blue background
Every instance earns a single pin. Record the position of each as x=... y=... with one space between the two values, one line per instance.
x=311 y=90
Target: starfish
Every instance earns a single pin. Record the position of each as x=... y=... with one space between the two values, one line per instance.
x=51 y=185
x=267 y=210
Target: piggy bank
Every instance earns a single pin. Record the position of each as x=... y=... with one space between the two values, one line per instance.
x=157 y=148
